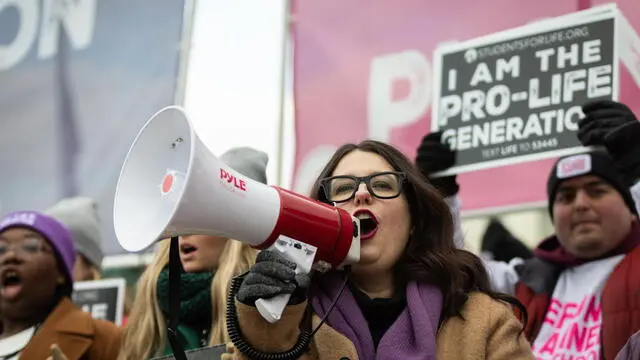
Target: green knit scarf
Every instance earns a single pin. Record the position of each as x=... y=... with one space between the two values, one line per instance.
x=195 y=298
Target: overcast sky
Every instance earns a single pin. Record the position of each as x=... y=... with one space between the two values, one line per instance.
x=233 y=82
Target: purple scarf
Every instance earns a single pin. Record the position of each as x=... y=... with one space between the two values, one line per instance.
x=411 y=337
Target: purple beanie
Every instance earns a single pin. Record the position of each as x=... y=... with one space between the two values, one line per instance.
x=55 y=232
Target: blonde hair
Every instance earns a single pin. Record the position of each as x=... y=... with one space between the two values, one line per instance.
x=145 y=333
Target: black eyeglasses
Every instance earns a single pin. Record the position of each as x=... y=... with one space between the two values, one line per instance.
x=27 y=246
x=383 y=185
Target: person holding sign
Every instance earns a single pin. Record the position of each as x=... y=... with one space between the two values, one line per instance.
x=591 y=258
x=37 y=256
x=209 y=263
x=581 y=288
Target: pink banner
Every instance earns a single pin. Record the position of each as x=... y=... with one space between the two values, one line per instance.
x=363 y=69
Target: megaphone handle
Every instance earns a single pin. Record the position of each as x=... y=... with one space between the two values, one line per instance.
x=302 y=255
x=272 y=309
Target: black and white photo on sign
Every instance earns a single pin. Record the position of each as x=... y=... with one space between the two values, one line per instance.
x=516 y=96
x=103 y=299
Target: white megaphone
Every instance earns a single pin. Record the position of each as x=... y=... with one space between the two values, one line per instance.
x=171 y=185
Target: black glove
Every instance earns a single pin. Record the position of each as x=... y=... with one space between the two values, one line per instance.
x=434 y=156
x=613 y=125
x=272 y=275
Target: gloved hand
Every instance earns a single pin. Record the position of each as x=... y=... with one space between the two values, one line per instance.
x=613 y=125
x=272 y=275
x=434 y=156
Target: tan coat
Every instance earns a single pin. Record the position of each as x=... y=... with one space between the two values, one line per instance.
x=489 y=331
x=78 y=335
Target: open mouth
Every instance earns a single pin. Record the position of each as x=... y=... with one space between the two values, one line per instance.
x=10 y=284
x=368 y=224
x=187 y=249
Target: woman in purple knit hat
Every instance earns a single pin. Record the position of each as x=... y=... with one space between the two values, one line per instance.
x=37 y=317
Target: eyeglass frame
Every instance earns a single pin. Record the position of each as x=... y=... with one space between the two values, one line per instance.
x=402 y=177
x=42 y=247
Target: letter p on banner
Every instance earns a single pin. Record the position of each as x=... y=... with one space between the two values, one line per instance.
x=389 y=107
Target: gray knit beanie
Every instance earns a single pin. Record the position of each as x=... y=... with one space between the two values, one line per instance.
x=247 y=161
x=80 y=215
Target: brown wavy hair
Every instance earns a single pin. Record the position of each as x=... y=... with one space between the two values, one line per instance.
x=430 y=255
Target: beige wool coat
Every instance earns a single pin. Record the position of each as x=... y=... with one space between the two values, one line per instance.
x=490 y=331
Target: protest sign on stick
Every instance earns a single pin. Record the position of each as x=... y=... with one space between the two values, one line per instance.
x=516 y=96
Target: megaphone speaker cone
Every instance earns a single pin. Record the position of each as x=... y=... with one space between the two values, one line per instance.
x=172 y=185
x=149 y=187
